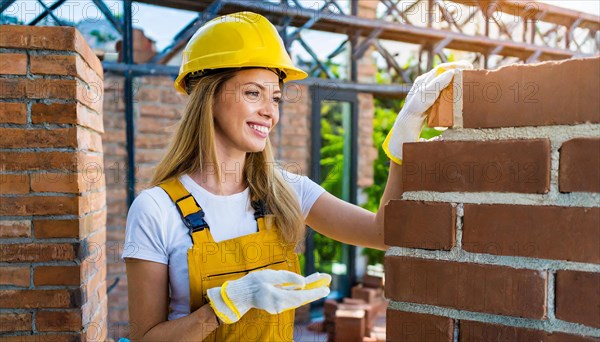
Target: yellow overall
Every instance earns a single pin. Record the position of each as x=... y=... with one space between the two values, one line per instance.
x=212 y=263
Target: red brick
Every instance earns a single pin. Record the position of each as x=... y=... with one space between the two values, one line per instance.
x=44 y=229
x=91 y=201
x=89 y=140
x=40 y=205
x=349 y=325
x=118 y=136
x=369 y=295
x=56 y=182
x=25 y=161
x=149 y=156
x=68 y=161
x=173 y=97
x=49 y=38
x=502 y=166
x=14 y=184
x=27 y=299
x=40 y=88
x=56 y=275
x=37 y=252
x=91 y=179
x=13 y=63
x=154 y=125
x=419 y=224
x=416 y=327
x=58 y=320
x=10 y=322
x=161 y=111
x=471 y=331
x=15 y=229
x=441 y=113
x=553 y=232
x=15 y=276
x=372 y=281
x=474 y=287
x=579 y=168
x=146 y=140
x=329 y=309
x=148 y=95
x=526 y=95
x=66 y=113
x=70 y=65
x=31 y=138
x=578 y=297
x=13 y=112
x=92 y=222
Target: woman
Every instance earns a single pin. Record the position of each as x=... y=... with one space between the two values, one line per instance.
x=211 y=245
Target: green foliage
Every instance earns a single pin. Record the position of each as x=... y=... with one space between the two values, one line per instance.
x=103 y=37
x=328 y=250
x=383 y=121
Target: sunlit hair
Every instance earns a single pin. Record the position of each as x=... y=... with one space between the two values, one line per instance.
x=193 y=148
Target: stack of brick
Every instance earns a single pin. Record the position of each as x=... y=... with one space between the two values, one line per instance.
x=496 y=236
x=53 y=203
x=354 y=318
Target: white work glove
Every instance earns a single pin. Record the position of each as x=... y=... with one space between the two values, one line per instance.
x=409 y=122
x=269 y=290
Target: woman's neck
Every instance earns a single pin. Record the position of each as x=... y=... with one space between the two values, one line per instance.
x=232 y=175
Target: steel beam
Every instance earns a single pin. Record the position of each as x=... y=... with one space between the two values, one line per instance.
x=109 y=16
x=47 y=11
x=364 y=45
x=5 y=4
x=141 y=69
x=184 y=35
x=127 y=48
x=55 y=18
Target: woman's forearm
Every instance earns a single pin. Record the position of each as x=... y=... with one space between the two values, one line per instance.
x=193 y=327
x=393 y=190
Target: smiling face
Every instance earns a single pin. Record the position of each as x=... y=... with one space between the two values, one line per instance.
x=246 y=110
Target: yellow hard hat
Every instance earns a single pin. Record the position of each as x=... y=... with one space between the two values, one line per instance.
x=237 y=40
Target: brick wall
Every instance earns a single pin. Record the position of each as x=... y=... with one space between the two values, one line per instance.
x=157 y=109
x=52 y=230
x=497 y=234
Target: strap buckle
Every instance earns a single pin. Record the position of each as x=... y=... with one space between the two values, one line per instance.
x=194 y=221
x=260 y=208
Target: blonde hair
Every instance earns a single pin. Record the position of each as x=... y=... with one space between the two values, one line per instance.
x=193 y=146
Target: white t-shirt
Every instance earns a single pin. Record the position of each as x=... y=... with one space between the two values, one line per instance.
x=155 y=231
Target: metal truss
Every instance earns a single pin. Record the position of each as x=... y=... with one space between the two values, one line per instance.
x=526 y=31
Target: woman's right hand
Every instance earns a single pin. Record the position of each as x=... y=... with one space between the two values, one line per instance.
x=270 y=290
x=422 y=95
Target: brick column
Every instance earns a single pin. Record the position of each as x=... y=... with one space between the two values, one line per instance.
x=53 y=203
x=291 y=140
x=367 y=69
x=499 y=223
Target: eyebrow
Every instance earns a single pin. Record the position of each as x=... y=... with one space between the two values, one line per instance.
x=261 y=87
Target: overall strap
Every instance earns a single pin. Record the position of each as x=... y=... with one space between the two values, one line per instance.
x=191 y=213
